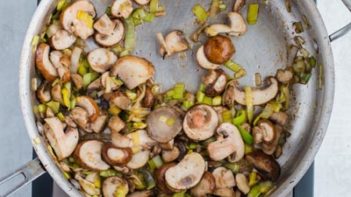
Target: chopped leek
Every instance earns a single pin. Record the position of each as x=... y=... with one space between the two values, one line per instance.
x=187 y=104
x=88 y=78
x=179 y=90
x=180 y=194
x=247 y=137
x=54 y=106
x=154 y=7
x=207 y=100
x=240 y=118
x=202 y=87
x=131 y=95
x=61 y=116
x=41 y=108
x=61 y=5
x=240 y=74
x=298 y=27
x=66 y=96
x=114 y=110
x=86 y=18
x=200 y=96
x=248 y=149
x=155 y=162
x=35 y=42
x=139 y=125
x=217 y=100
x=214 y=9
x=200 y=13
x=252 y=178
x=260 y=188
x=191 y=146
x=226 y=116
x=233 y=66
x=249 y=103
x=148 y=179
x=252 y=13
x=130 y=37
x=109 y=172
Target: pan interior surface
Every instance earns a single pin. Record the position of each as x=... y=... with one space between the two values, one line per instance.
x=263 y=49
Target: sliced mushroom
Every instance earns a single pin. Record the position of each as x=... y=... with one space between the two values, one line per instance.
x=265 y=164
x=98 y=125
x=219 y=49
x=58 y=59
x=149 y=98
x=200 y=122
x=238 y=5
x=203 y=61
x=62 y=39
x=174 y=42
x=116 y=124
x=139 y=159
x=224 y=177
x=228 y=95
x=95 y=85
x=116 y=156
x=77 y=80
x=120 y=140
x=63 y=142
x=43 y=93
x=74 y=24
x=259 y=96
x=142 y=2
x=101 y=59
x=115 y=185
x=242 y=183
x=104 y=25
x=44 y=64
x=75 y=57
x=133 y=70
x=215 y=82
x=206 y=186
x=80 y=116
x=270 y=147
x=280 y=118
x=53 y=28
x=110 y=39
x=90 y=106
x=264 y=131
x=161 y=179
x=122 y=8
x=108 y=83
x=187 y=173
x=88 y=154
x=164 y=124
x=284 y=76
x=170 y=155
x=228 y=142
x=120 y=100
x=224 y=192
x=56 y=93
x=236 y=27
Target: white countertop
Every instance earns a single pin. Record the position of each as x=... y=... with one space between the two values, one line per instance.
x=332 y=164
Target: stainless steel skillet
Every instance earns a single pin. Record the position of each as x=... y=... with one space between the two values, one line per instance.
x=263 y=49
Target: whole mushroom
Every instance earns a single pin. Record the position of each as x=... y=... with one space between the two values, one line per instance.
x=200 y=122
x=219 y=49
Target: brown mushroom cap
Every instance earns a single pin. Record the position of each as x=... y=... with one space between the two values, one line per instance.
x=44 y=64
x=219 y=49
x=116 y=156
x=164 y=124
x=101 y=59
x=72 y=24
x=265 y=164
x=228 y=142
x=224 y=177
x=90 y=106
x=88 y=154
x=259 y=96
x=187 y=173
x=133 y=70
x=206 y=186
x=170 y=155
x=112 y=184
x=122 y=8
x=63 y=142
x=110 y=39
x=203 y=61
x=160 y=177
x=62 y=39
x=200 y=122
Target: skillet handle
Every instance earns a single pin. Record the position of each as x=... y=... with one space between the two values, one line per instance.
x=21 y=177
x=344 y=30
